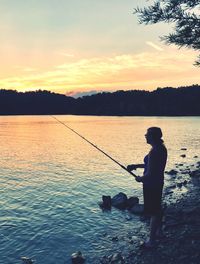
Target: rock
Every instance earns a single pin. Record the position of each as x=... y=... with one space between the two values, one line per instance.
x=115 y=238
x=26 y=260
x=132 y=201
x=183 y=155
x=104 y=260
x=179 y=184
x=183 y=149
x=117 y=259
x=106 y=202
x=172 y=172
x=173 y=186
x=137 y=209
x=195 y=173
x=168 y=192
x=128 y=217
x=77 y=258
x=120 y=201
x=185 y=172
x=185 y=182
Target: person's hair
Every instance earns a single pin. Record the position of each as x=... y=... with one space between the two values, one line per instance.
x=156 y=133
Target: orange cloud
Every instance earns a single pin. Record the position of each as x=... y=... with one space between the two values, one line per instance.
x=146 y=70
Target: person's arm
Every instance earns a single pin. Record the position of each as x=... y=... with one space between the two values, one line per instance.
x=139 y=166
x=135 y=166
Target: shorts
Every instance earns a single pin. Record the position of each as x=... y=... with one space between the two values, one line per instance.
x=152 y=200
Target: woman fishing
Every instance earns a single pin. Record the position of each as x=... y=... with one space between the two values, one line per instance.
x=153 y=178
x=153 y=181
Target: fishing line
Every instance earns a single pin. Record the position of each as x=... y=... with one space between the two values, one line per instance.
x=114 y=160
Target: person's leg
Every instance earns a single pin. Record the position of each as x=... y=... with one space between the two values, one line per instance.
x=156 y=217
x=150 y=242
x=159 y=232
x=155 y=227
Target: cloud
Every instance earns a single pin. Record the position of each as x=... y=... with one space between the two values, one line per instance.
x=153 y=45
x=28 y=69
x=65 y=54
x=77 y=94
x=146 y=70
x=25 y=69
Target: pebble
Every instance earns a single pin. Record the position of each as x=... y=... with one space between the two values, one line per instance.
x=77 y=258
x=26 y=260
x=179 y=184
x=128 y=217
x=185 y=182
x=117 y=258
x=115 y=239
x=183 y=155
x=168 y=192
x=172 y=172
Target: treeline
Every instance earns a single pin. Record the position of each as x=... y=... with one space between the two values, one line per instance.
x=34 y=103
x=168 y=101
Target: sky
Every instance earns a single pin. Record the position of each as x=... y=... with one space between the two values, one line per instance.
x=79 y=46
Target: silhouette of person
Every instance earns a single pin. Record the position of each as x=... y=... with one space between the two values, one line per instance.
x=153 y=181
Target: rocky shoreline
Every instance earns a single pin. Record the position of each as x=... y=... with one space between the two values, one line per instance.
x=181 y=225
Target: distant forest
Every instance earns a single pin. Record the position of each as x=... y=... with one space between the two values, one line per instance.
x=168 y=101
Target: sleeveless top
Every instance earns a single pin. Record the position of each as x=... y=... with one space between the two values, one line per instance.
x=154 y=172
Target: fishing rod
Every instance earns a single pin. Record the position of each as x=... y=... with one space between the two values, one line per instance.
x=122 y=166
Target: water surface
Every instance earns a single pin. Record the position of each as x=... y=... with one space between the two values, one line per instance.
x=51 y=180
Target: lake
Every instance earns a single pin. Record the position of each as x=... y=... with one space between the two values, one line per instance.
x=51 y=180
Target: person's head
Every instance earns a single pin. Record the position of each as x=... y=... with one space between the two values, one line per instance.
x=154 y=135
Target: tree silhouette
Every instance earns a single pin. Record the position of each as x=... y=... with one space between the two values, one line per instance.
x=183 y=13
x=168 y=101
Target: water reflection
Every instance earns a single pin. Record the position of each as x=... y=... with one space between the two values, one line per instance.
x=51 y=181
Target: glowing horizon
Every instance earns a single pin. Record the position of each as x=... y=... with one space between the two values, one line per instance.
x=74 y=52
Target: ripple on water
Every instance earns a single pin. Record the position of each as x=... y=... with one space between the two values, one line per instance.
x=51 y=182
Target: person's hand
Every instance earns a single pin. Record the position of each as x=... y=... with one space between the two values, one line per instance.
x=131 y=167
x=138 y=179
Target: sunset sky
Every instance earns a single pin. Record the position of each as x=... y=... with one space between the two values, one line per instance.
x=72 y=46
